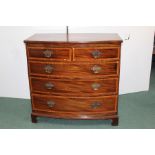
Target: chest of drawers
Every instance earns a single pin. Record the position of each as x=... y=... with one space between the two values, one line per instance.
x=74 y=76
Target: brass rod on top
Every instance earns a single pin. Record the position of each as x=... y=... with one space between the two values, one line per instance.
x=67 y=32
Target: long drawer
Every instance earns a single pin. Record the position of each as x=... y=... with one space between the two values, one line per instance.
x=98 y=69
x=81 y=87
x=74 y=104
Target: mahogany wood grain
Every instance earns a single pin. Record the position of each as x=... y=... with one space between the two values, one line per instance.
x=71 y=71
x=86 y=54
x=72 y=45
x=75 y=69
x=76 y=115
x=57 y=54
x=74 y=38
x=74 y=104
x=75 y=87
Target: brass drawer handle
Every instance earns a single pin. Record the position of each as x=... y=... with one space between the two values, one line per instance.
x=50 y=104
x=96 y=86
x=48 y=68
x=95 y=105
x=96 y=69
x=49 y=85
x=96 y=54
x=48 y=53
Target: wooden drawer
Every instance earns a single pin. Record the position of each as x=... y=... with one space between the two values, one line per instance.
x=74 y=87
x=92 y=54
x=73 y=70
x=74 y=104
x=54 y=54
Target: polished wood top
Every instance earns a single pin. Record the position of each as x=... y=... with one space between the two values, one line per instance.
x=74 y=38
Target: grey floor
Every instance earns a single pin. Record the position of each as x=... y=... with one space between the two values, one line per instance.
x=136 y=111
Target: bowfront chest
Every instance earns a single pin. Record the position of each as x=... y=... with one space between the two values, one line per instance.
x=74 y=76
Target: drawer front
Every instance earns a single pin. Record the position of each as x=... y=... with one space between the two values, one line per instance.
x=74 y=87
x=74 y=70
x=93 y=104
x=54 y=54
x=92 y=54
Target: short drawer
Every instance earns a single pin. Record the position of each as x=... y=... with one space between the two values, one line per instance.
x=74 y=70
x=54 y=54
x=81 y=87
x=74 y=104
x=92 y=54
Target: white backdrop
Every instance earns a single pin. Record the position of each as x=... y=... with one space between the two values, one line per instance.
x=135 y=60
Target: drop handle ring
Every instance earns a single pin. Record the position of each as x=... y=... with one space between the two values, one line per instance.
x=49 y=85
x=48 y=68
x=95 y=105
x=96 y=54
x=50 y=104
x=96 y=86
x=48 y=53
x=96 y=69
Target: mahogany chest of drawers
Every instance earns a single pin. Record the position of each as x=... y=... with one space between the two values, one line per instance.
x=74 y=76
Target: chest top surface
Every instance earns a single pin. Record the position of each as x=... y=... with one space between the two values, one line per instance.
x=74 y=38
